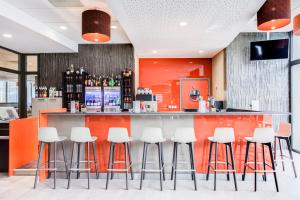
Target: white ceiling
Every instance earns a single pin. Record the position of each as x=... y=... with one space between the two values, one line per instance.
x=150 y=25
x=53 y=17
x=211 y=24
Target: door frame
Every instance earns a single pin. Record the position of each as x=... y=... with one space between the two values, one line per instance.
x=191 y=79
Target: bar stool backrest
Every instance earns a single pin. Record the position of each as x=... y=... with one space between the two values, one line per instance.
x=185 y=134
x=48 y=134
x=118 y=135
x=224 y=135
x=80 y=134
x=263 y=135
x=152 y=135
x=285 y=129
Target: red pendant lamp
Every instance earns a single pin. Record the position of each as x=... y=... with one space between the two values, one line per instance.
x=297 y=25
x=95 y=26
x=274 y=14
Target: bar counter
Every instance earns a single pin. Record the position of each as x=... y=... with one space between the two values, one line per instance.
x=168 y=113
x=204 y=124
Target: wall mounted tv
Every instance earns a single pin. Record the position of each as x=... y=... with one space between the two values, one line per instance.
x=269 y=49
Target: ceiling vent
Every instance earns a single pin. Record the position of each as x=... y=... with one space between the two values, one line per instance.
x=66 y=3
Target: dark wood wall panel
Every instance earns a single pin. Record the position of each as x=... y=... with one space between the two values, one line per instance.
x=101 y=59
x=52 y=65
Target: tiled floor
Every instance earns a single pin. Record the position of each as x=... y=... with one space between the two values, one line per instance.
x=20 y=187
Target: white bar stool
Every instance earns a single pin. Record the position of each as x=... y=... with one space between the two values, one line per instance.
x=48 y=135
x=183 y=135
x=284 y=133
x=222 y=136
x=119 y=136
x=152 y=135
x=265 y=137
x=82 y=135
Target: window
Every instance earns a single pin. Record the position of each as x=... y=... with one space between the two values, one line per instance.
x=31 y=83
x=31 y=63
x=31 y=80
x=9 y=89
x=9 y=60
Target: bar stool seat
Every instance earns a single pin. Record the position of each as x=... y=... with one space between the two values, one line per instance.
x=184 y=136
x=82 y=135
x=119 y=135
x=152 y=135
x=48 y=136
x=222 y=135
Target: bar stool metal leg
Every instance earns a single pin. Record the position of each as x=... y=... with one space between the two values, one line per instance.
x=55 y=147
x=288 y=142
x=273 y=166
x=78 y=160
x=227 y=162
x=89 y=164
x=143 y=166
x=65 y=158
x=71 y=164
x=264 y=162
x=233 y=166
x=175 y=164
x=275 y=141
x=162 y=161
x=126 y=164
x=145 y=162
x=95 y=159
x=215 y=166
x=255 y=166
x=173 y=159
x=209 y=160
x=109 y=164
x=130 y=162
x=41 y=149
x=160 y=165
x=281 y=154
x=246 y=160
x=193 y=165
x=112 y=161
x=191 y=159
x=49 y=160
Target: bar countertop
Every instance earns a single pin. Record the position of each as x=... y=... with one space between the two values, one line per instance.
x=167 y=113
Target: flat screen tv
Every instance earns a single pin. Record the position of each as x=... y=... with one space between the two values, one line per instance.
x=270 y=49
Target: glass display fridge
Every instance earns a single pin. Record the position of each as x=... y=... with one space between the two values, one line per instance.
x=93 y=99
x=112 y=99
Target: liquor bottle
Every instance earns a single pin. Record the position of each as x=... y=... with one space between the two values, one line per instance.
x=111 y=82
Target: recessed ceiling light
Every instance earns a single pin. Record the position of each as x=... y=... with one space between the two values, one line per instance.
x=7 y=35
x=113 y=27
x=63 y=27
x=200 y=51
x=183 y=23
x=154 y=51
x=96 y=40
x=273 y=27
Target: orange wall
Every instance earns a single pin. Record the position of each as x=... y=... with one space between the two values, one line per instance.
x=162 y=76
x=23 y=142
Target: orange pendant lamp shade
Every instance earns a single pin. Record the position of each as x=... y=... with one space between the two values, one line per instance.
x=95 y=26
x=297 y=25
x=274 y=14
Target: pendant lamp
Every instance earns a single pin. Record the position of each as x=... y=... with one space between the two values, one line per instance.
x=274 y=14
x=297 y=25
x=95 y=26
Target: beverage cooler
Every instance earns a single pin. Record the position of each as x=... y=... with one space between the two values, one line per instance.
x=112 y=99
x=93 y=99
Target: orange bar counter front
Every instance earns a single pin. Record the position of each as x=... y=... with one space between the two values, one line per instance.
x=204 y=124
